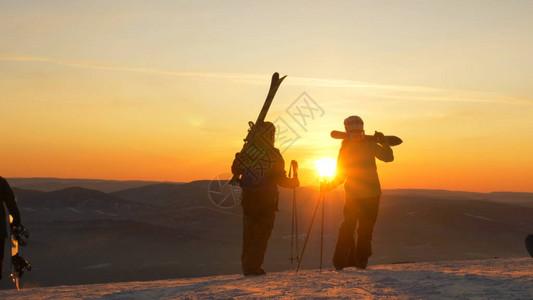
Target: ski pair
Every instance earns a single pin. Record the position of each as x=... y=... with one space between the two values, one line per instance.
x=255 y=128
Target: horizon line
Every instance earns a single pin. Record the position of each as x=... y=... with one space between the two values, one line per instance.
x=304 y=186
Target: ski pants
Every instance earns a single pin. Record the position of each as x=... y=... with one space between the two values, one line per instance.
x=356 y=210
x=259 y=210
x=2 y=248
x=256 y=232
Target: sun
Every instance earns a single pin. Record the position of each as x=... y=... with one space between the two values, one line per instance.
x=326 y=167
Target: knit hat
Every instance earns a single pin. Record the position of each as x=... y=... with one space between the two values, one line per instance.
x=353 y=123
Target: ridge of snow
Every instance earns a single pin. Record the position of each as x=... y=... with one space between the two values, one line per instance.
x=477 y=217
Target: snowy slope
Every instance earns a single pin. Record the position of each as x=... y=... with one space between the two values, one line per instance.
x=510 y=278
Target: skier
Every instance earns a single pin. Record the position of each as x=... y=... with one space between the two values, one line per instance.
x=356 y=168
x=262 y=169
x=8 y=197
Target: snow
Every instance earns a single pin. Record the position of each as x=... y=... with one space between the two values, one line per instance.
x=509 y=278
x=98 y=266
x=477 y=217
x=104 y=213
x=75 y=210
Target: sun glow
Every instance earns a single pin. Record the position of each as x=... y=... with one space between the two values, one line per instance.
x=326 y=167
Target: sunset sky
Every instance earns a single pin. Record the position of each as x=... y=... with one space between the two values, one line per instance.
x=163 y=90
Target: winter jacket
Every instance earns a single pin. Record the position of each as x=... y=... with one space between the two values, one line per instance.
x=356 y=167
x=262 y=172
x=8 y=197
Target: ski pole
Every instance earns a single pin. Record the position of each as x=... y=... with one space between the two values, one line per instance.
x=309 y=231
x=295 y=175
x=295 y=220
x=294 y=215
x=322 y=229
x=292 y=223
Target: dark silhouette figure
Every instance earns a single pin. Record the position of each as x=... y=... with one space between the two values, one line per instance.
x=7 y=197
x=529 y=244
x=261 y=169
x=356 y=168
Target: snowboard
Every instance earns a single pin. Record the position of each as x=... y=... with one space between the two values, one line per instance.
x=254 y=131
x=18 y=263
x=340 y=135
x=529 y=244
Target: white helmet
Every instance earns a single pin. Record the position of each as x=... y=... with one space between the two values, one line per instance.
x=353 y=123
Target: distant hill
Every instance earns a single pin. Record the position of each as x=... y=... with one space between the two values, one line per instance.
x=167 y=230
x=74 y=203
x=53 y=184
x=162 y=193
x=165 y=194
x=518 y=198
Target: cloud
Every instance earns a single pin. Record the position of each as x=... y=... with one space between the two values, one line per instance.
x=400 y=92
x=411 y=93
x=112 y=67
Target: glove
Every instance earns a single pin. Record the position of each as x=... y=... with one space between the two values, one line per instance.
x=296 y=182
x=294 y=166
x=380 y=138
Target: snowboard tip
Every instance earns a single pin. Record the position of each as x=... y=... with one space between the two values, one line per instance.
x=337 y=134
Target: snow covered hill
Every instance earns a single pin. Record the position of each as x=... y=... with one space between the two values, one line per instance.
x=510 y=278
x=161 y=231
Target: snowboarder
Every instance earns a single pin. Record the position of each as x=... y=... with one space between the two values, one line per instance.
x=262 y=169
x=7 y=197
x=356 y=168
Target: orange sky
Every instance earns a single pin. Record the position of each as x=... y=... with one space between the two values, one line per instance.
x=164 y=90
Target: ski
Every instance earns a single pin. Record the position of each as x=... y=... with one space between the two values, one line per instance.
x=274 y=85
x=253 y=131
x=391 y=139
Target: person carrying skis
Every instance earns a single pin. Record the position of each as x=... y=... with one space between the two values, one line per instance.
x=7 y=197
x=262 y=169
x=356 y=168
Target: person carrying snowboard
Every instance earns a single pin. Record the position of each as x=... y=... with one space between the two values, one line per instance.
x=261 y=169
x=7 y=197
x=356 y=168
